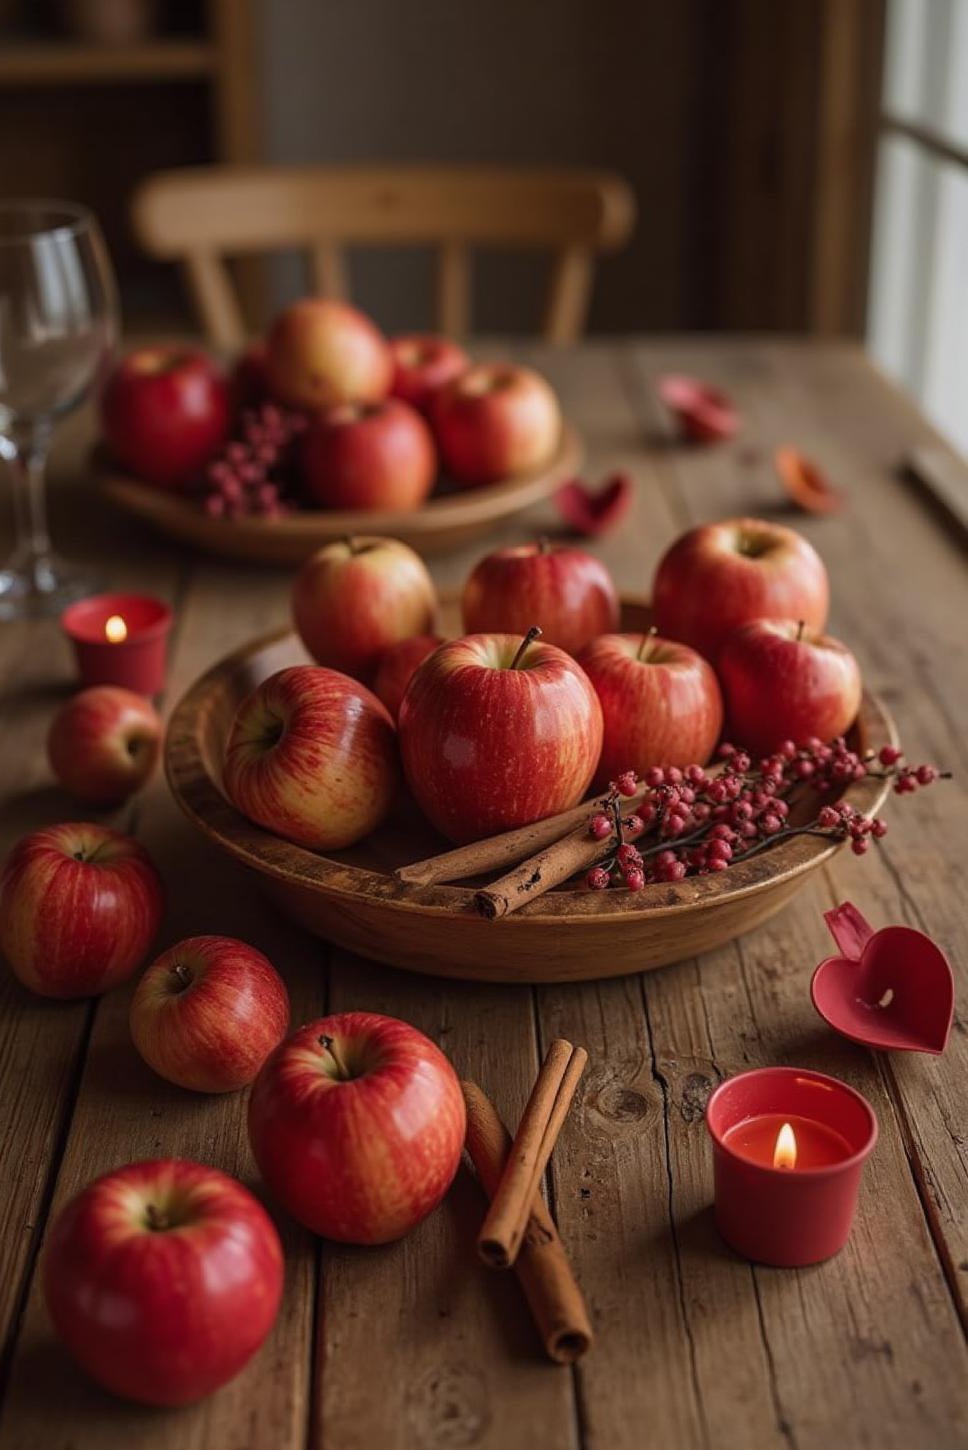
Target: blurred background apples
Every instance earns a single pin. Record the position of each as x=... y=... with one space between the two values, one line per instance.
x=165 y=412
x=423 y=363
x=368 y=456
x=320 y=353
x=494 y=420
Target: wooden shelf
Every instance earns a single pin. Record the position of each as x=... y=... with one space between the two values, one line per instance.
x=47 y=63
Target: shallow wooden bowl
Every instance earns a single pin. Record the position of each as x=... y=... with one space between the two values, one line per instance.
x=445 y=521
x=571 y=934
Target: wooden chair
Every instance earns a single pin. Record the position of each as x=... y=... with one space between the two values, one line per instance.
x=199 y=215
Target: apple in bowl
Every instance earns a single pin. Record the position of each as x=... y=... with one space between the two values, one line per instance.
x=423 y=363
x=104 y=743
x=566 y=591
x=495 y=420
x=397 y=666
x=165 y=413
x=368 y=456
x=320 y=352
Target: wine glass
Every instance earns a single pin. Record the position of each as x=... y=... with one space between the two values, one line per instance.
x=58 y=323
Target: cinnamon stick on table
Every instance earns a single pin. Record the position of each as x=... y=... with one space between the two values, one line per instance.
x=575 y=852
x=542 y=1266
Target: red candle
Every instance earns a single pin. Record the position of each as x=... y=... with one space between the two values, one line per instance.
x=789 y=1146
x=120 y=639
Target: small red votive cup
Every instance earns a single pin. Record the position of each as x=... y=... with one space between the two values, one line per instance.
x=797 y=1212
x=120 y=639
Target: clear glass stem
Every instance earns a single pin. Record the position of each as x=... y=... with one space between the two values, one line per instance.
x=26 y=453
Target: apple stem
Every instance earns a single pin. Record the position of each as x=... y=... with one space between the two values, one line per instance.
x=155 y=1219
x=182 y=975
x=328 y=1045
x=649 y=635
x=800 y=628
x=544 y=544
x=351 y=543
x=533 y=633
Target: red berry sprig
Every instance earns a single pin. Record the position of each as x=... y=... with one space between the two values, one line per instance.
x=255 y=472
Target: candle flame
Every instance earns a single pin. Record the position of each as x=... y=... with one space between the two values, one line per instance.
x=785 y=1152
x=115 y=629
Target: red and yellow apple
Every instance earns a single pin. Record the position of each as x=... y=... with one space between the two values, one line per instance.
x=423 y=363
x=312 y=757
x=368 y=456
x=495 y=420
x=396 y=668
x=567 y=592
x=163 y=1278
x=719 y=576
x=103 y=744
x=165 y=412
x=79 y=907
x=320 y=353
x=207 y=1013
x=357 y=1124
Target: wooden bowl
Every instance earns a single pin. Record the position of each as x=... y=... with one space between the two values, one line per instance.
x=445 y=521
x=352 y=898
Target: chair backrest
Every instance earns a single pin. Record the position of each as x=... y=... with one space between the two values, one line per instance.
x=200 y=215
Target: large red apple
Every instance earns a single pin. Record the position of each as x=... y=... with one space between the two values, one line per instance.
x=423 y=363
x=79 y=908
x=165 y=412
x=567 y=592
x=320 y=353
x=163 y=1278
x=357 y=1124
x=719 y=576
x=208 y=1012
x=312 y=757
x=495 y=420
x=356 y=597
x=103 y=744
x=496 y=732
x=782 y=682
x=368 y=456
x=397 y=666
x=661 y=703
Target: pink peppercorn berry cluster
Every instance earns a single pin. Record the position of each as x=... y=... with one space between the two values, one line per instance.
x=254 y=475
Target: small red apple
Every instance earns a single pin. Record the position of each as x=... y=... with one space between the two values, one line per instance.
x=567 y=592
x=495 y=420
x=497 y=731
x=396 y=668
x=165 y=412
x=357 y=1125
x=368 y=456
x=103 y=744
x=783 y=682
x=354 y=598
x=423 y=364
x=208 y=1012
x=660 y=701
x=163 y=1278
x=312 y=757
x=719 y=576
x=320 y=353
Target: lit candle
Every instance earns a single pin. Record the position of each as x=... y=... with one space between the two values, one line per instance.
x=120 y=639
x=115 y=629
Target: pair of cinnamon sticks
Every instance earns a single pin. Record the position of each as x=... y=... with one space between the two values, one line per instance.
x=518 y=1230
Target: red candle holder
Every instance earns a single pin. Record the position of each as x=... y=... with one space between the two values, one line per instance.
x=800 y=1213
x=120 y=639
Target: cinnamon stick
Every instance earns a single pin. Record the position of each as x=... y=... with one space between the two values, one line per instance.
x=556 y=863
x=542 y=1266
x=502 y=1234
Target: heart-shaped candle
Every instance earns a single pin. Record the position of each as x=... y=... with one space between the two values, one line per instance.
x=592 y=511
x=891 y=988
x=705 y=414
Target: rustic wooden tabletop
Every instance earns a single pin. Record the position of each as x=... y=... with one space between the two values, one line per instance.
x=415 y=1345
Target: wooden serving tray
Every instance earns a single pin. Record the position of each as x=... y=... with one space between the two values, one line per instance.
x=352 y=898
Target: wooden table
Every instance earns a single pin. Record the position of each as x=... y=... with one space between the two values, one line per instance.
x=415 y=1345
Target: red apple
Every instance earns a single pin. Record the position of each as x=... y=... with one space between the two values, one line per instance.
x=165 y=413
x=208 y=1012
x=355 y=597
x=660 y=701
x=163 y=1278
x=423 y=363
x=357 y=1125
x=79 y=908
x=567 y=592
x=719 y=576
x=312 y=757
x=320 y=353
x=496 y=732
x=368 y=456
x=397 y=665
x=783 y=682
x=248 y=381
x=103 y=744
x=495 y=420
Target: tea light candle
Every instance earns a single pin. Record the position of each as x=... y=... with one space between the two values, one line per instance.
x=789 y=1146
x=120 y=639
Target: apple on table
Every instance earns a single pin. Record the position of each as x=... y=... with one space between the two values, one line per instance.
x=566 y=591
x=377 y=455
x=165 y=412
x=104 y=743
x=495 y=420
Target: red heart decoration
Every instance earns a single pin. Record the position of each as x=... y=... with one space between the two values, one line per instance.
x=592 y=511
x=891 y=988
x=705 y=414
x=806 y=482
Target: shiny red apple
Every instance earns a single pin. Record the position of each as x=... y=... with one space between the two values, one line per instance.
x=165 y=412
x=320 y=352
x=207 y=1013
x=356 y=597
x=719 y=576
x=782 y=681
x=312 y=757
x=495 y=420
x=163 y=1278
x=423 y=363
x=661 y=703
x=357 y=1124
x=396 y=668
x=79 y=907
x=567 y=592
x=497 y=731
x=368 y=456
x=104 y=743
